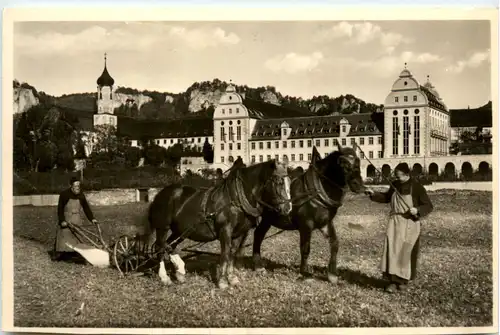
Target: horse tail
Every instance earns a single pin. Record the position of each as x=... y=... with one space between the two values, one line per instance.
x=145 y=222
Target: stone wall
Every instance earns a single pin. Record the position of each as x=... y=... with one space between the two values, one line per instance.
x=436 y=186
x=124 y=196
x=95 y=198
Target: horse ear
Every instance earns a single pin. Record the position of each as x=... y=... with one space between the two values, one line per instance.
x=238 y=162
x=315 y=156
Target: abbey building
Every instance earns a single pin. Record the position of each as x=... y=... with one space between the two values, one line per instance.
x=415 y=126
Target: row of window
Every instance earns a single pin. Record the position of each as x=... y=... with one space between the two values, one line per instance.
x=299 y=156
x=438 y=145
x=230 y=111
x=238 y=146
x=110 y=95
x=231 y=133
x=405 y=98
x=326 y=142
x=406 y=135
x=182 y=140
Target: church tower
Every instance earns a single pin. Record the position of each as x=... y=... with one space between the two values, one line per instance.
x=105 y=99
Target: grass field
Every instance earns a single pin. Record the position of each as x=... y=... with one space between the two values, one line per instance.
x=453 y=289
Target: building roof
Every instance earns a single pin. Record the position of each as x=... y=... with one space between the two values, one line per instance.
x=433 y=100
x=187 y=127
x=477 y=117
x=105 y=79
x=319 y=126
x=263 y=110
x=82 y=119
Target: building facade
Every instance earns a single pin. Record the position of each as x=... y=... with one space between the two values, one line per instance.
x=415 y=126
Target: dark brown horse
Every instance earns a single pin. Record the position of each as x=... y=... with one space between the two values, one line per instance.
x=224 y=212
x=316 y=194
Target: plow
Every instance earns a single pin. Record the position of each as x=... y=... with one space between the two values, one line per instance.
x=130 y=255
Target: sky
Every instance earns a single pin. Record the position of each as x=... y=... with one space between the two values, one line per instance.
x=301 y=58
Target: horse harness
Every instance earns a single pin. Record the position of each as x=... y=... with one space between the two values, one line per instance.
x=240 y=200
x=315 y=192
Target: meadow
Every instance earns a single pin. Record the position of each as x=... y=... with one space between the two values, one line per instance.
x=454 y=287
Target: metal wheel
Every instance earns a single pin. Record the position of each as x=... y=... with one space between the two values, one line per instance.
x=125 y=255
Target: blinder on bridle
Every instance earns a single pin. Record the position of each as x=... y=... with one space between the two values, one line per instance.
x=277 y=179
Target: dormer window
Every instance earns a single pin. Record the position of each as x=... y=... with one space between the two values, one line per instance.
x=344 y=129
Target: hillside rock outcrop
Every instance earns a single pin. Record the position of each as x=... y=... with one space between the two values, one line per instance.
x=199 y=99
x=24 y=99
x=130 y=99
x=270 y=97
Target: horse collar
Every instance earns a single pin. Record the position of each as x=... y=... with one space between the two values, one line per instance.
x=313 y=183
x=243 y=200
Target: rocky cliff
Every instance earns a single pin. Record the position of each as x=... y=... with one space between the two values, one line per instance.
x=205 y=97
x=126 y=99
x=24 y=99
x=201 y=98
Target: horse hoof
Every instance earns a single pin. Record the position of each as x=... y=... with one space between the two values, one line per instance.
x=223 y=285
x=333 y=279
x=233 y=281
x=181 y=278
x=166 y=281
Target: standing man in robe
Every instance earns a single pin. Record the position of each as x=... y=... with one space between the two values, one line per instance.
x=409 y=203
x=71 y=203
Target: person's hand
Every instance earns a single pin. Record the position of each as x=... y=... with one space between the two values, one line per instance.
x=413 y=211
x=64 y=224
x=94 y=221
x=369 y=191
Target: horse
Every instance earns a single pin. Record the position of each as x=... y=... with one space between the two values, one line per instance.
x=224 y=212
x=317 y=195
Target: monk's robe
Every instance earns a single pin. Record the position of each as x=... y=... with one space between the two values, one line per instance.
x=69 y=209
x=402 y=243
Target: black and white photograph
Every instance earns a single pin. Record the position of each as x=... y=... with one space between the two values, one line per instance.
x=193 y=171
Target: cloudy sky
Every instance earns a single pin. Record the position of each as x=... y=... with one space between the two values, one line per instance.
x=298 y=58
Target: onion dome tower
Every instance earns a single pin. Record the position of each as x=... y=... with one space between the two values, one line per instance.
x=105 y=96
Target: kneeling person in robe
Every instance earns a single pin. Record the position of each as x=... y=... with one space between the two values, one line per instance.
x=71 y=203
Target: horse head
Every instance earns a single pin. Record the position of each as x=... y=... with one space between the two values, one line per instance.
x=341 y=167
x=271 y=185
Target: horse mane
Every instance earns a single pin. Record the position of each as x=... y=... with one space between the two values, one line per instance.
x=331 y=168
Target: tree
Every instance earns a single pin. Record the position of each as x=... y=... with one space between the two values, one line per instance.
x=108 y=149
x=21 y=158
x=45 y=156
x=132 y=156
x=208 y=152
x=80 y=147
x=174 y=154
x=154 y=155
x=106 y=139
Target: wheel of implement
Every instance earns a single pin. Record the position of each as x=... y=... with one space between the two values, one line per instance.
x=125 y=255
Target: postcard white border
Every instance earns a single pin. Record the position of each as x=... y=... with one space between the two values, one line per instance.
x=199 y=13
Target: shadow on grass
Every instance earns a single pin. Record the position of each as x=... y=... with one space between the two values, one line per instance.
x=203 y=264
